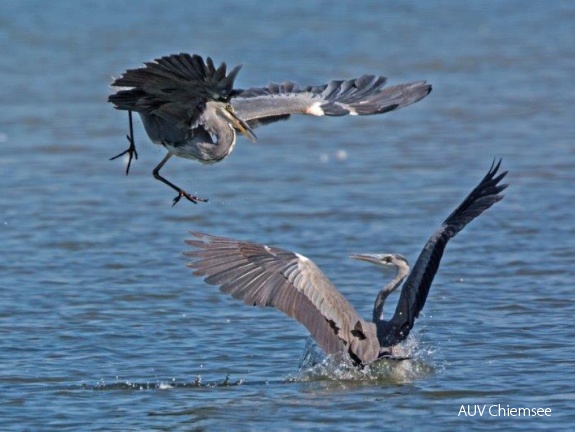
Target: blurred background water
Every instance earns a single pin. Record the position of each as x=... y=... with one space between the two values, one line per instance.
x=102 y=326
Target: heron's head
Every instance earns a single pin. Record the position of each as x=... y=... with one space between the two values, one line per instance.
x=227 y=113
x=384 y=260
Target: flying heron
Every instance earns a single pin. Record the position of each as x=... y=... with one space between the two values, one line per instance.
x=191 y=108
x=268 y=276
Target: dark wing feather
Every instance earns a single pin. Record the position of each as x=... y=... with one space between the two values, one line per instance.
x=416 y=287
x=264 y=276
x=365 y=95
x=174 y=87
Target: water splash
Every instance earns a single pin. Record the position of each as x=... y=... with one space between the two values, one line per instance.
x=411 y=362
x=162 y=385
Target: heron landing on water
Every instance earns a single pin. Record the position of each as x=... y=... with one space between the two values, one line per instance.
x=190 y=107
x=268 y=276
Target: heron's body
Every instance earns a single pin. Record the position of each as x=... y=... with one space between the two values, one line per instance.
x=191 y=108
x=189 y=143
x=267 y=276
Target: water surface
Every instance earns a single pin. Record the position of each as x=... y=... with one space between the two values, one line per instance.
x=104 y=328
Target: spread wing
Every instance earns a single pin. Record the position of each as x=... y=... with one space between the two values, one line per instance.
x=416 y=287
x=175 y=87
x=365 y=95
x=265 y=276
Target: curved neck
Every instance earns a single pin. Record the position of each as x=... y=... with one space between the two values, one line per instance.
x=215 y=124
x=225 y=139
x=387 y=290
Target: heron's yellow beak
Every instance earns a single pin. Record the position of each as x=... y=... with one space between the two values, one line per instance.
x=240 y=125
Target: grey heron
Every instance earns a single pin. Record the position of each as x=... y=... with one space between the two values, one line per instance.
x=269 y=276
x=190 y=107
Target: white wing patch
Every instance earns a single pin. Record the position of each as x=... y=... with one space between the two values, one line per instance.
x=301 y=257
x=315 y=109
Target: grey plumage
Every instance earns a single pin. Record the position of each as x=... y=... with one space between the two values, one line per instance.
x=190 y=107
x=365 y=95
x=268 y=276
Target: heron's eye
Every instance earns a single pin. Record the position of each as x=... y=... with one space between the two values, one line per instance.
x=387 y=259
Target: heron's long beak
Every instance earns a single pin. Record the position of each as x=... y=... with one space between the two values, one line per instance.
x=370 y=258
x=240 y=125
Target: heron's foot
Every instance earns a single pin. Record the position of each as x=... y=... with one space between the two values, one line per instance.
x=189 y=197
x=130 y=151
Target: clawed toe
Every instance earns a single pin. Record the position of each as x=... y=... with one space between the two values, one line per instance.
x=131 y=150
x=189 y=197
x=132 y=154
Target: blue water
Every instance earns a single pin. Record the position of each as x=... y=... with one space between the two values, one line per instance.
x=103 y=327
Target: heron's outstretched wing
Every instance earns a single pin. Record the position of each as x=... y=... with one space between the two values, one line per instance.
x=361 y=96
x=416 y=287
x=265 y=276
x=174 y=87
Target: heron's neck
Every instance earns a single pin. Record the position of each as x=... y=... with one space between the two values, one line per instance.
x=225 y=134
x=226 y=138
x=385 y=291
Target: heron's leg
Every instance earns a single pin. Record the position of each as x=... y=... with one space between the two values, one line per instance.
x=131 y=150
x=181 y=192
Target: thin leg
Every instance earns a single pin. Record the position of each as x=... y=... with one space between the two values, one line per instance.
x=131 y=150
x=181 y=192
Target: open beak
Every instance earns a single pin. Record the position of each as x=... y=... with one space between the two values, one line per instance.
x=241 y=126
